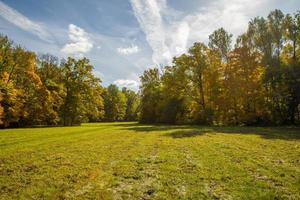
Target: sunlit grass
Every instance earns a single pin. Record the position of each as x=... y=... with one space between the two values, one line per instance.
x=132 y=161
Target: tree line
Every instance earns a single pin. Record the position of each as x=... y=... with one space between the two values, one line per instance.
x=254 y=81
x=43 y=90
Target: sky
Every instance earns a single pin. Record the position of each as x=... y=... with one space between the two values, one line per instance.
x=122 y=38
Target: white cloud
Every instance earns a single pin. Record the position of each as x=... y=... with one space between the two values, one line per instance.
x=231 y=15
x=129 y=50
x=180 y=38
x=21 y=21
x=170 y=32
x=80 y=42
x=131 y=84
x=149 y=17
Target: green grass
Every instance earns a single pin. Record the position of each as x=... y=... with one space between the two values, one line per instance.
x=133 y=161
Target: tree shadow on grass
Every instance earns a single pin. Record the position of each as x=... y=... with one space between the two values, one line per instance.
x=185 y=133
x=286 y=133
x=182 y=131
x=150 y=127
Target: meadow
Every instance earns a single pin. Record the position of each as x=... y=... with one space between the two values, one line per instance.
x=135 y=161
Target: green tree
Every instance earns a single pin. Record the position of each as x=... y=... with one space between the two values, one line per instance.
x=82 y=92
x=51 y=77
x=114 y=104
x=291 y=62
x=175 y=101
x=220 y=40
x=150 y=95
x=132 y=104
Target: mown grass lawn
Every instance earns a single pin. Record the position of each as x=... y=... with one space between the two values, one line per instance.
x=133 y=161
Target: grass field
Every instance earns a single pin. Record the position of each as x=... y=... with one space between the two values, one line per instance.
x=133 y=161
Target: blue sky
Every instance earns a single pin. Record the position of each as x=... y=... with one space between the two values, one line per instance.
x=122 y=38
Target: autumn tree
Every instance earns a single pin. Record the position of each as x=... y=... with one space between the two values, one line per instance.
x=255 y=81
x=24 y=98
x=44 y=91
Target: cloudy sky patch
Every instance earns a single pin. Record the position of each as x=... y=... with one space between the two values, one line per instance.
x=122 y=38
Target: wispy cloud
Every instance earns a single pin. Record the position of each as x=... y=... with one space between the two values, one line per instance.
x=148 y=14
x=131 y=84
x=21 y=21
x=170 y=32
x=80 y=42
x=128 y=50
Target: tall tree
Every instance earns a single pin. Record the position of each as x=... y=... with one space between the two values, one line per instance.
x=175 y=96
x=197 y=65
x=150 y=95
x=291 y=62
x=243 y=101
x=80 y=86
